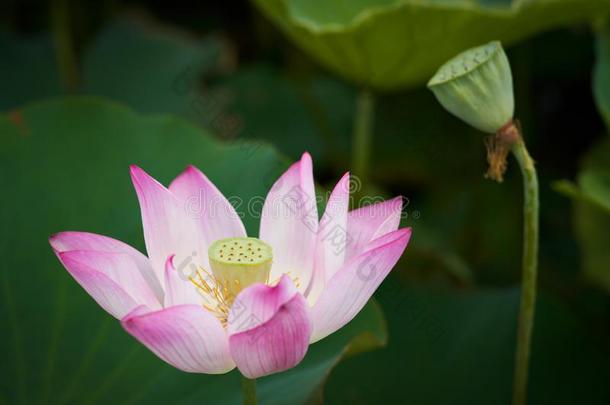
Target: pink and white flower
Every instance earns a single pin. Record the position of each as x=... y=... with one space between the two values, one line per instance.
x=210 y=314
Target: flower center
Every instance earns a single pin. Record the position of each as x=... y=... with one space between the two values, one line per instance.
x=239 y=262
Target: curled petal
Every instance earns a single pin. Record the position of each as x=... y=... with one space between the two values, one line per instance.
x=370 y=222
x=186 y=336
x=269 y=328
x=179 y=289
x=67 y=241
x=350 y=289
x=289 y=222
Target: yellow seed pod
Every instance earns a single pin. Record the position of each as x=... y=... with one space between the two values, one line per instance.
x=239 y=262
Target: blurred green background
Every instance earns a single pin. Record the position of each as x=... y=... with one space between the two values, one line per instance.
x=240 y=89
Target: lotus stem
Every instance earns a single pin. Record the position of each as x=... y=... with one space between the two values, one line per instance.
x=363 y=134
x=64 y=44
x=530 y=263
x=248 y=389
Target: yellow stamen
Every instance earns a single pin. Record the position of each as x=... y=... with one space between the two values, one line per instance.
x=215 y=293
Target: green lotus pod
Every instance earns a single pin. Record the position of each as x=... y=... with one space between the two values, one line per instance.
x=477 y=87
x=239 y=262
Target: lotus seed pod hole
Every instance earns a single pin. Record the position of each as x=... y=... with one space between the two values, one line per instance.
x=247 y=251
x=465 y=62
x=240 y=262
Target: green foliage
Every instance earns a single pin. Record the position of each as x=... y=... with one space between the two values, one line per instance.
x=594 y=188
x=138 y=62
x=146 y=65
x=601 y=73
x=592 y=213
x=27 y=69
x=387 y=44
x=293 y=114
x=64 y=166
x=458 y=348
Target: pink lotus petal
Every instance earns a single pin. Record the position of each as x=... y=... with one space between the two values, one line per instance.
x=289 y=222
x=106 y=292
x=67 y=241
x=332 y=239
x=350 y=289
x=167 y=228
x=214 y=214
x=118 y=267
x=369 y=222
x=186 y=336
x=179 y=289
x=269 y=328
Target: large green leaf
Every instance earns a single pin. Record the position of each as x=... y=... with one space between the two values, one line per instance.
x=393 y=43
x=64 y=166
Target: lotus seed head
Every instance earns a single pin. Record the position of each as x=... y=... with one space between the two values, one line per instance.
x=240 y=262
x=477 y=87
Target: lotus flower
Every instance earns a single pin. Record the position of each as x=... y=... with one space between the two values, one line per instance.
x=208 y=298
